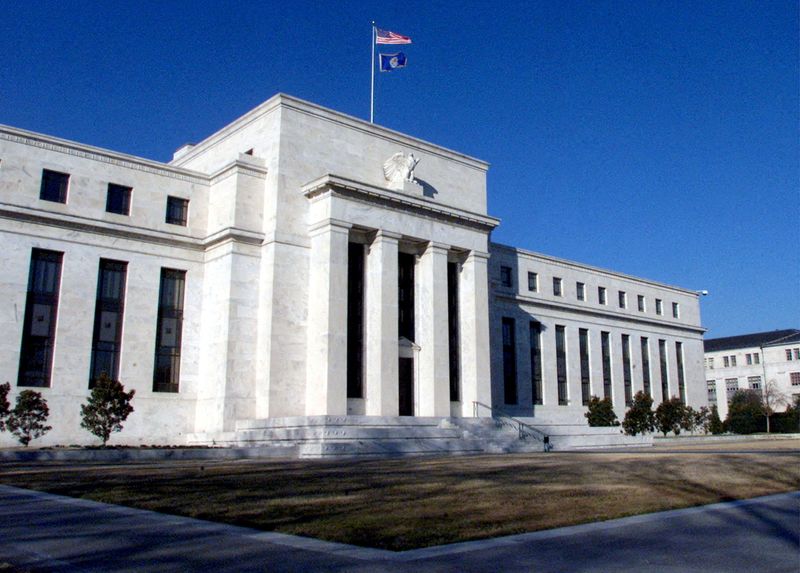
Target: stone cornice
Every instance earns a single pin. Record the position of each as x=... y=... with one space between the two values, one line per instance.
x=116 y=230
x=239 y=167
x=584 y=267
x=581 y=310
x=91 y=153
x=387 y=197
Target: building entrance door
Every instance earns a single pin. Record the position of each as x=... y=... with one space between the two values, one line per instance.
x=406 y=387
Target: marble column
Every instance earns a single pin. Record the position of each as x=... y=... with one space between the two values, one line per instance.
x=433 y=384
x=326 y=364
x=380 y=315
x=476 y=385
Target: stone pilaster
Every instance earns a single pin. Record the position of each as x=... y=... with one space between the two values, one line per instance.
x=474 y=333
x=433 y=390
x=381 y=326
x=326 y=382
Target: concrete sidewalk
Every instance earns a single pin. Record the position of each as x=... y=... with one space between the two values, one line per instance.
x=52 y=533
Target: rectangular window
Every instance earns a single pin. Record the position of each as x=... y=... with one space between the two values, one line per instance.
x=733 y=360
x=754 y=382
x=509 y=362
x=726 y=361
x=586 y=388
x=177 y=211
x=54 y=186
x=748 y=358
x=580 y=289
x=788 y=354
x=533 y=282
x=627 y=374
x=169 y=331
x=109 y=310
x=601 y=295
x=731 y=386
x=757 y=358
x=659 y=307
x=662 y=359
x=561 y=365
x=605 y=351
x=676 y=310
x=556 y=286
x=712 y=391
x=646 y=365
x=681 y=374
x=41 y=310
x=536 y=362
x=797 y=353
x=355 y=320
x=623 y=299
x=118 y=199
x=405 y=295
x=710 y=363
x=641 y=303
x=505 y=276
x=453 y=332
x=794 y=377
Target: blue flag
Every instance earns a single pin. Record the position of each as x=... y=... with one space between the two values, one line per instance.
x=391 y=62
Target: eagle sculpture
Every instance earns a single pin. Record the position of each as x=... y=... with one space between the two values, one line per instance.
x=399 y=168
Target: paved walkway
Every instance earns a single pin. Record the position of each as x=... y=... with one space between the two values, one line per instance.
x=51 y=533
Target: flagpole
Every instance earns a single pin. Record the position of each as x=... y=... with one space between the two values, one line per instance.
x=372 y=85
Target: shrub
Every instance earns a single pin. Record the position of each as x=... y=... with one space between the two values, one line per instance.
x=714 y=421
x=640 y=418
x=106 y=408
x=4 y=405
x=601 y=413
x=702 y=419
x=746 y=413
x=27 y=420
x=688 y=419
x=669 y=415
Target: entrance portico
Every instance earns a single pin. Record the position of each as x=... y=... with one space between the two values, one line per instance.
x=392 y=225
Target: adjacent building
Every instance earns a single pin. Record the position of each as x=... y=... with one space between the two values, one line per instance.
x=301 y=262
x=749 y=361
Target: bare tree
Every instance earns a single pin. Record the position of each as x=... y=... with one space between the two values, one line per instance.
x=772 y=397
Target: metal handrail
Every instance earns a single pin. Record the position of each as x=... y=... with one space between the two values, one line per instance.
x=524 y=429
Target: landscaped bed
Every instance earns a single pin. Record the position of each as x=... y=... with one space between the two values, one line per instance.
x=415 y=502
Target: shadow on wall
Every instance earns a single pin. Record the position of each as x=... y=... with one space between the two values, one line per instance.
x=428 y=190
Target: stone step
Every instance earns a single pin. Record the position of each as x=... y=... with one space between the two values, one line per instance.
x=344 y=433
x=390 y=448
x=338 y=421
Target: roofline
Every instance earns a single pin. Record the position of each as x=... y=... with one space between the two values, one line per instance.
x=57 y=144
x=584 y=266
x=282 y=100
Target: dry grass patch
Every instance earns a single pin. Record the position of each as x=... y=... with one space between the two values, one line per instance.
x=406 y=503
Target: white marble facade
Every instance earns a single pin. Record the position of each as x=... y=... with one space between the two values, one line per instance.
x=275 y=199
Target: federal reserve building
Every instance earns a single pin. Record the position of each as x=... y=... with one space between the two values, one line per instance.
x=303 y=279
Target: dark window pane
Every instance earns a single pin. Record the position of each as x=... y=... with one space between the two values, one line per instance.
x=561 y=364
x=169 y=329
x=118 y=199
x=536 y=361
x=583 y=339
x=627 y=375
x=39 y=328
x=509 y=362
x=177 y=211
x=54 y=186
x=605 y=350
x=109 y=308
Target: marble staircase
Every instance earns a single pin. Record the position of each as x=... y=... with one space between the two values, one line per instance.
x=384 y=436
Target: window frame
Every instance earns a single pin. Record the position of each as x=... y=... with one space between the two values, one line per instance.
x=183 y=219
x=127 y=192
x=62 y=194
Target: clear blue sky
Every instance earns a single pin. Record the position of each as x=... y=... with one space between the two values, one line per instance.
x=655 y=138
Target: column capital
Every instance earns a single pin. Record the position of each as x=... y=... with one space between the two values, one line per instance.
x=433 y=247
x=329 y=226
x=479 y=255
x=384 y=235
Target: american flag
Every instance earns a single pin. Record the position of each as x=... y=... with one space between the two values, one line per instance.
x=387 y=37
